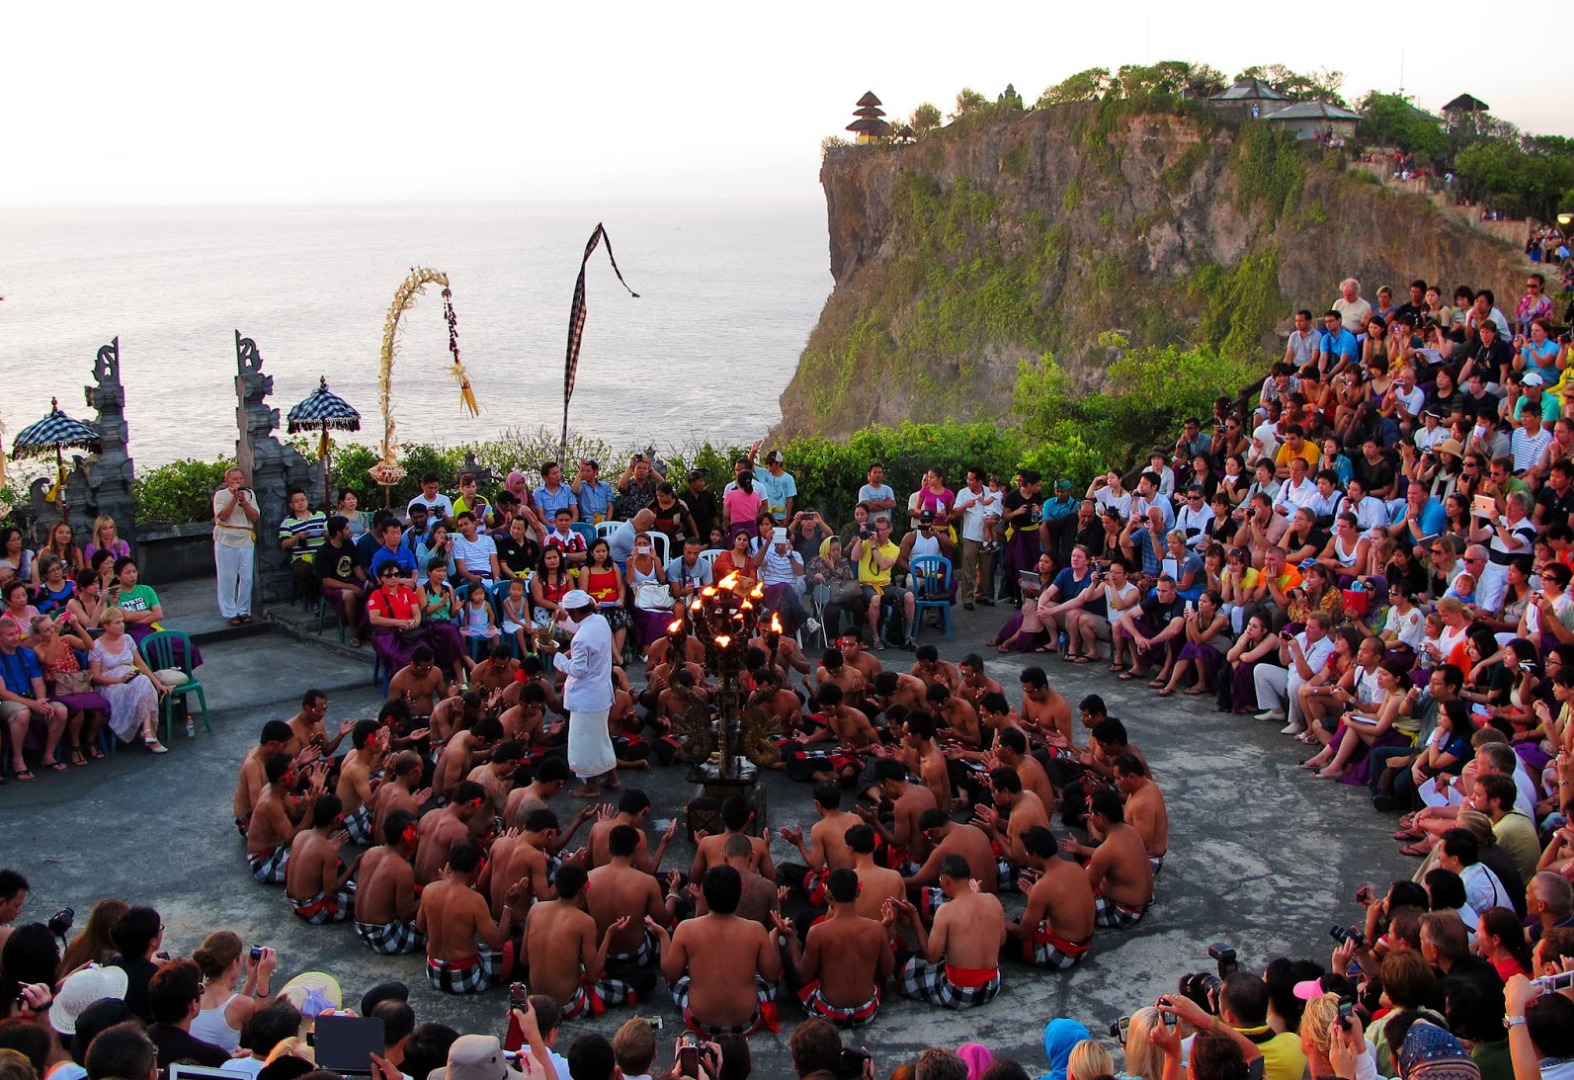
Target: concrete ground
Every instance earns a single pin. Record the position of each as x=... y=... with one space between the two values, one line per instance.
x=1262 y=856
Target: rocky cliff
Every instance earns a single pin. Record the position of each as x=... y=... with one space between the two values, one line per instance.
x=1006 y=236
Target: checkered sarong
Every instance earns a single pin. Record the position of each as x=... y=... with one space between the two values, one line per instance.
x=320 y=910
x=268 y=866
x=470 y=977
x=1113 y=915
x=935 y=983
x=764 y=1014
x=594 y=1002
x=359 y=826
x=814 y=1004
x=1007 y=875
x=931 y=898
x=393 y=938
x=1046 y=949
x=644 y=956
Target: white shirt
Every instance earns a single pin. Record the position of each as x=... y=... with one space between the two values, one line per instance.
x=1104 y=498
x=588 y=666
x=777 y=568
x=440 y=505
x=1296 y=496
x=1188 y=520
x=1316 y=653
x=477 y=554
x=1483 y=889
x=974 y=508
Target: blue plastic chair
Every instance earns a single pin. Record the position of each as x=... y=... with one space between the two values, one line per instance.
x=929 y=576
x=585 y=529
x=159 y=651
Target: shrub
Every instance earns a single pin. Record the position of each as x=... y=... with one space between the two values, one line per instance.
x=180 y=491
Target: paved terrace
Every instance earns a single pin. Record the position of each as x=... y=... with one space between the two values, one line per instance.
x=1262 y=856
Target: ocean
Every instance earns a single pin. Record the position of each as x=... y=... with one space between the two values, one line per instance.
x=728 y=295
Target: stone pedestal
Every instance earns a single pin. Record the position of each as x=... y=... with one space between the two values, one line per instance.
x=704 y=809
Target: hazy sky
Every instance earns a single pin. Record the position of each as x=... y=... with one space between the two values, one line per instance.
x=166 y=103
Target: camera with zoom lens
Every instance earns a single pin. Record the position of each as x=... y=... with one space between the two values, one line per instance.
x=1224 y=956
x=1342 y=935
x=60 y=922
x=1202 y=989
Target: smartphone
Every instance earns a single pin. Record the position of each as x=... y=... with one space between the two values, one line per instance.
x=688 y=1055
x=518 y=995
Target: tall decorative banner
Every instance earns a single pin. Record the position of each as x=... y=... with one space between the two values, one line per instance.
x=388 y=471
x=576 y=323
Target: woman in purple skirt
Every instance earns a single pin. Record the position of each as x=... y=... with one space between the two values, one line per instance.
x=1254 y=646
x=1207 y=629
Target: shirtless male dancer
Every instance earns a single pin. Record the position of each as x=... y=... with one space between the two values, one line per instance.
x=722 y=969
x=249 y=784
x=1056 y=930
x=278 y=815
x=958 y=962
x=355 y=788
x=567 y=956
x=466 y=951
x=385 y=897
x=845 y=960
x=321 y=889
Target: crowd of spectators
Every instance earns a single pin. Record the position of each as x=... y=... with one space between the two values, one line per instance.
x=1374 y=550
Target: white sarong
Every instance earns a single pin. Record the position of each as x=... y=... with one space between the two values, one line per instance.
x=590 y=744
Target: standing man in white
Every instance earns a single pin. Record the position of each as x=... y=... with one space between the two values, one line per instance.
x=235 y=516
x=587 y=695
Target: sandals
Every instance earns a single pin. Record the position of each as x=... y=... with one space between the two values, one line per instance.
x=153 y=745
x=76 y=757
x=1155 y=684
x=1116 y=669
x=25 y=775
x=1411 y=833
x=95 y=753
x=1083 y=660
x=1166 y=692
x=1414 y=850
x=1127 y=676
x=58 y=766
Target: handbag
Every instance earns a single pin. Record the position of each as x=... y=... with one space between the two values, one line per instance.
x=74 y=682
x=652 y=596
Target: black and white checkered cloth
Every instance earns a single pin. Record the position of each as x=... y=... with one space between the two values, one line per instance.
x=391 y=939
x=923 y=981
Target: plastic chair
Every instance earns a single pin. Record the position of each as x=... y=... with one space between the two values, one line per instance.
x=929 y=577
x=663 y=547
x=322 y=614
x=380 y=677
x=604 y=529
x=585 y=529
x=819 y=596
x=158 y=649
x=710 y=555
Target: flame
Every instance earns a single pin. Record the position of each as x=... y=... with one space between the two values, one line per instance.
x=709 y=590
x=722 y=641
x=759 y=591
x=776 y=624
x=675 y=626
x=746 y=606
x=728 y=582
x=696 y=604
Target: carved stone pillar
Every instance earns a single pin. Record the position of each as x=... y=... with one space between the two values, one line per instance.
x=272 y=469
x=101 y=483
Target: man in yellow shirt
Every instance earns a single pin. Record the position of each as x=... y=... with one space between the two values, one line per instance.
x=1243 y=1005
x=874 y=554
x=1296 y=446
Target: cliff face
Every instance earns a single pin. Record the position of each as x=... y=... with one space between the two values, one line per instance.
x=1001 y=238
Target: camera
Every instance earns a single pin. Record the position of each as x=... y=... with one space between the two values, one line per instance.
x=1342 y=935
x=60 y=922
x=853 y=1062
x=518 y=995
x=1224 y=956
x=865 y=532
x=1118 y=1029
x=1202 y=989
x=256 y=953
x=1563 y=980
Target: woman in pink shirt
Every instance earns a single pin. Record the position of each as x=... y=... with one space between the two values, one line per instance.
x=742 y=506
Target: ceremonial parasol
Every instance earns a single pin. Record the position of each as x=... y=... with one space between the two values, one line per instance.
x=56 y=430
x=324 y=411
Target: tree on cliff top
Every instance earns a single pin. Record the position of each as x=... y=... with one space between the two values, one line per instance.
x=1089 y=85
x=925 y=119
x=969 y=102
x=1391 y=120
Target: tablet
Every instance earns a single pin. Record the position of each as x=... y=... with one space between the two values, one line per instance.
x=345 y=1044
